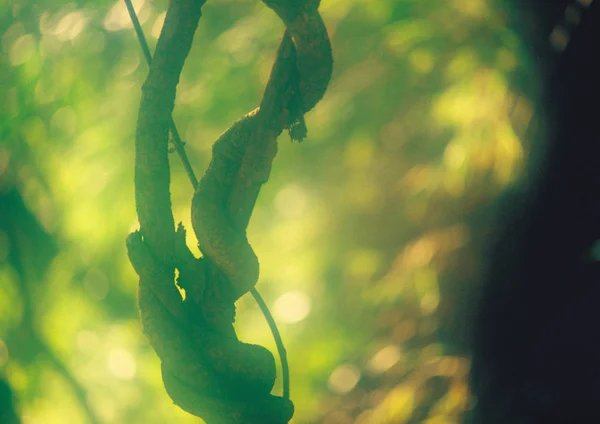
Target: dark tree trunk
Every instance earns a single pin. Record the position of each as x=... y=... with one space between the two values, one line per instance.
x=536 y=354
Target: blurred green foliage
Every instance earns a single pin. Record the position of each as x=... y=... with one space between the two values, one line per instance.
x=370 y=234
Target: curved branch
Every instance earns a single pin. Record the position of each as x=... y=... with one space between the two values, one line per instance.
x=243 y=374
x=297 y=82
x=152 y=174
x=243 y=155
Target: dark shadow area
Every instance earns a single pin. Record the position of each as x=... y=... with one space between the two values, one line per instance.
x=536 y=352
x=8 y=414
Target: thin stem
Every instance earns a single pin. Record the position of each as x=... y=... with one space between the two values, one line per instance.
x=179 y=146
x=139 y=32
x=278 y=341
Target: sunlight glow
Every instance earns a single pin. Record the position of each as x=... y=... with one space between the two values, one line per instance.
x=291 y=201
x=127 y=66
x=158 y=24
x=364 y=417
x=22 y=50
x=453 y=366
x=398 y=404
x=472 y=8
x=87 y=341
x=121 y=364
x=360 y=233
x=384 y=359
x=292 y=307
x=344 y=378
x=454 y=155
x=70 y=26
x=118 y=18
x=419 y=253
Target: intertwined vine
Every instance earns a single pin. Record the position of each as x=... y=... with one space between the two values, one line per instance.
x=206 y=369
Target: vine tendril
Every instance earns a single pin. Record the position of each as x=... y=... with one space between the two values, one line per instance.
x=180 y=148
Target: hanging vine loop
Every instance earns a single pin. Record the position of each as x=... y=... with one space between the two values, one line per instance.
x=206 y=369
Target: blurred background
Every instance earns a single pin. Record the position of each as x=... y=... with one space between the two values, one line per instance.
x=372 y=234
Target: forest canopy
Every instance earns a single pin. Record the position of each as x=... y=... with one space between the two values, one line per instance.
x=370 y=234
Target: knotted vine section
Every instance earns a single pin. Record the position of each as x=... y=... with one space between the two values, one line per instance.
x=206 y=369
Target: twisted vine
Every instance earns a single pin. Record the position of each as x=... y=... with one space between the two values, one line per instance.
x=206 y=369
